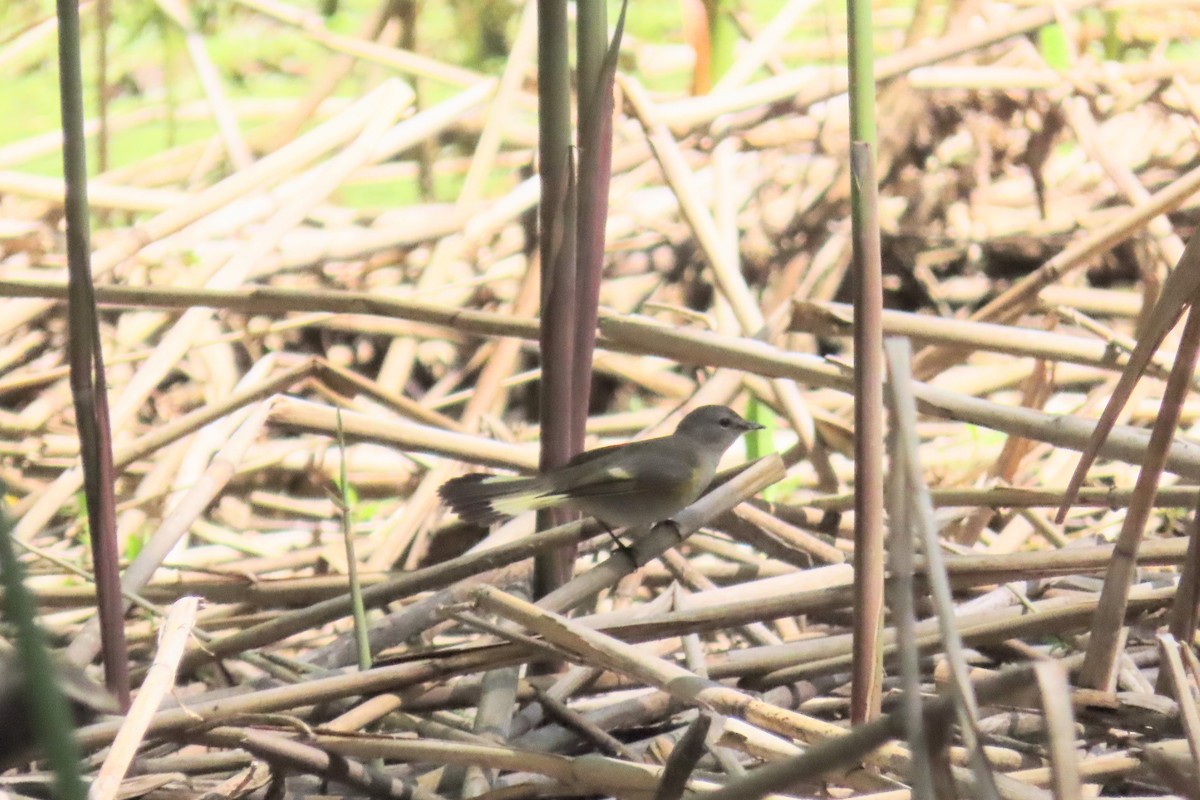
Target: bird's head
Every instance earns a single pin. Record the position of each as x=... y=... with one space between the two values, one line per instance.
x=715 y=426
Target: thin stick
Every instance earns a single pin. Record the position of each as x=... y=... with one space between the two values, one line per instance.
x=89 y=389
x=1102 y=650
x=160 y=679
x=868 y=440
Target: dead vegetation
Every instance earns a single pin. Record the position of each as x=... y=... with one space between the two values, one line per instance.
x=252 y=283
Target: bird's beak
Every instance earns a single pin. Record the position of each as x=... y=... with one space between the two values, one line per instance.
x=751 y=426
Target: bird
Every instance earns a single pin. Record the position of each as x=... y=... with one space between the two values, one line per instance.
x=623 y=485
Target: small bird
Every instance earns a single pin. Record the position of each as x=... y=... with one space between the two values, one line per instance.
x=638 y=483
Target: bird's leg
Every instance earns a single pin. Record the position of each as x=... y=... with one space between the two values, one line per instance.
x=621 y=546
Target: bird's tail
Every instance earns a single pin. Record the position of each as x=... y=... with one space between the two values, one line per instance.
x=483 y=499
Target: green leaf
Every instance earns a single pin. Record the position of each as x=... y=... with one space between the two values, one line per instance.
x=134 y=545
x=1052 y=41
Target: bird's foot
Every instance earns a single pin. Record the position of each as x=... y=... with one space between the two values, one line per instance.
x=618 y=545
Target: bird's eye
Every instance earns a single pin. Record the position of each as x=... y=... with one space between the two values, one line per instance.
x=725 y=422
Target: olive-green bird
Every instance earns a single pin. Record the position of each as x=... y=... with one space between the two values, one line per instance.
x=638 y=483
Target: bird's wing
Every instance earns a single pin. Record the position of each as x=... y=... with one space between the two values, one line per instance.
x=606 y=472
x=588 y=456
